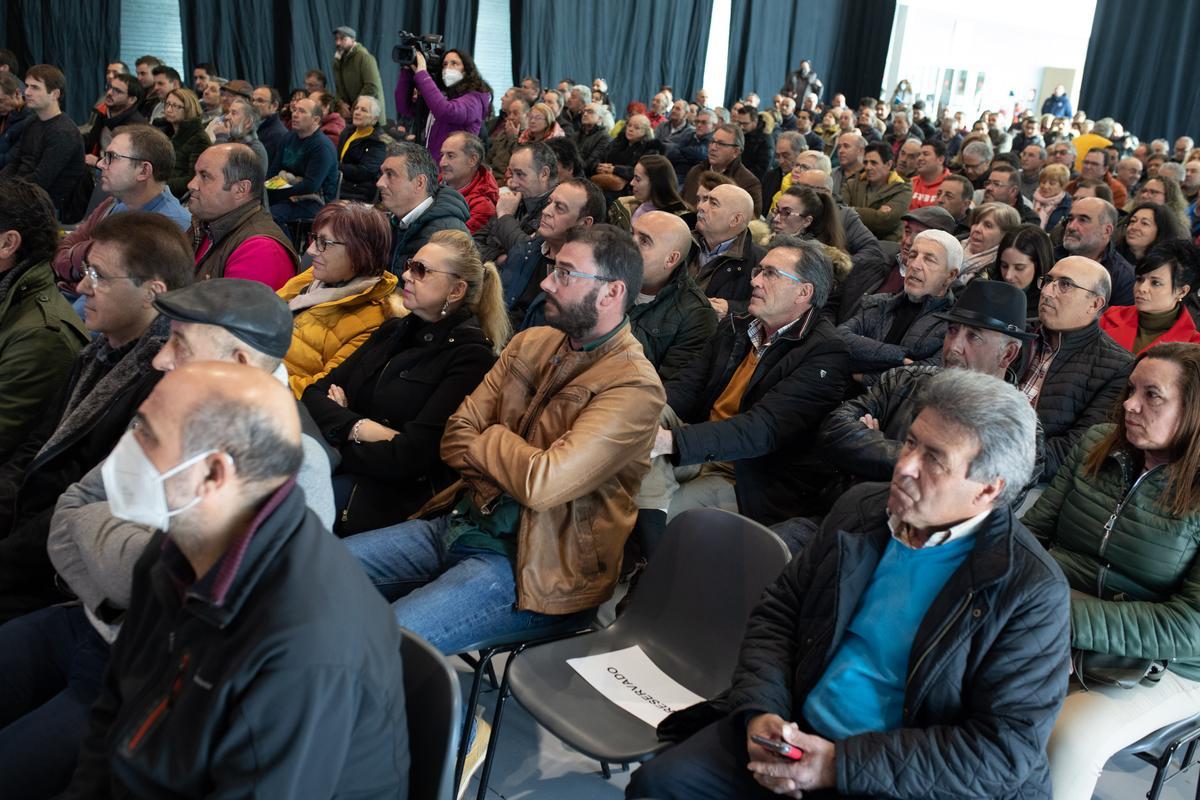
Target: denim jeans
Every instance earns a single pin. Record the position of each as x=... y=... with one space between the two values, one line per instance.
x=452 y=598
x=52 y=663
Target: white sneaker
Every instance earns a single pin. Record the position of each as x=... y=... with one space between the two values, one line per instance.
x=474 y=759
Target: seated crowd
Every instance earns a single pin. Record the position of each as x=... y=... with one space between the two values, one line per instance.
x=280 y=380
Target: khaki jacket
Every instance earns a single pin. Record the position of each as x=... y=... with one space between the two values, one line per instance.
x=567 y=434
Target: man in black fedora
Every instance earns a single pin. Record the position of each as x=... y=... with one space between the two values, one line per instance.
x=986 y=329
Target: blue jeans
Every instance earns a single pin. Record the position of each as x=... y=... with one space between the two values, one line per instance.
x=52 y=664
x=453 y=598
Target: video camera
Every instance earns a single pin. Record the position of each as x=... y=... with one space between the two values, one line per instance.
x=430 y=45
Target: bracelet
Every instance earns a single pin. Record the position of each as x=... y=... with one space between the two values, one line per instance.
x=354 y=431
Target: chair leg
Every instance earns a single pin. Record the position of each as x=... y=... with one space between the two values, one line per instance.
x=484 y=662
x=605 y=771
x=1160 y=773
x=503 y=695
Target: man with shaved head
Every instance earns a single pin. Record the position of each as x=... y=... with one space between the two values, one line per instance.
x=1075 y=372
x=254 y=648
x=671 y=317
x=725 y=253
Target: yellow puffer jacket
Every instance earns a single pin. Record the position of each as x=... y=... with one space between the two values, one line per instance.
x=325 y=335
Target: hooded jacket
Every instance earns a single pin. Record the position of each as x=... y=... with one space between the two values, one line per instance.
x=895 y=194
x=481 y=195
x=449 y=212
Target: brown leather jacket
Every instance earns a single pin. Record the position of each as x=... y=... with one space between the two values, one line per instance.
x=567 y=434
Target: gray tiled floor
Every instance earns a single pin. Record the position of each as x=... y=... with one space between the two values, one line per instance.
x=531 y=763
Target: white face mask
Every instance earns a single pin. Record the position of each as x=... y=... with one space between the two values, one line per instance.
x=451 y=76
x=135 y=487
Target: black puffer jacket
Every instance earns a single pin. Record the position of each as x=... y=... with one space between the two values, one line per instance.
x=591 y=145
x=361 y=164
x=797 y=381
x=674 y=327
x=865 y=333
x=1081 y=389
x=410 y=376
x=728 y=275
x=987 y=674
x=865 y=454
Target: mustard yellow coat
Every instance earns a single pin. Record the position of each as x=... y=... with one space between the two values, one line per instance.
x=325 y=335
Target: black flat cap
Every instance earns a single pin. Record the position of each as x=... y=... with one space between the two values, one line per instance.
x=247 y=309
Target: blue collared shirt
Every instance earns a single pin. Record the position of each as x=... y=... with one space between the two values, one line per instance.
x=164 y=204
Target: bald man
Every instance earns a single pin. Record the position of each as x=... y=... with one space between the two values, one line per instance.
x=671 y=317
x=1090 y=230
x=1075 y=371
x=725 y=254
x=254 y=651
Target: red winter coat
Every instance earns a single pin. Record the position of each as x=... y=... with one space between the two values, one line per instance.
x=481 y=195
x=1121 y=323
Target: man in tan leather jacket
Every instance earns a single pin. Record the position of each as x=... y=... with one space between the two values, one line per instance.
x=551 y=448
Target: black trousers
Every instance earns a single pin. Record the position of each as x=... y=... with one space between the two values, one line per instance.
x=710 y=765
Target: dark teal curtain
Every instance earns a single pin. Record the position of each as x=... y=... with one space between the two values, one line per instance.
x=277 y=41
x=846 y=41
x=1155 y=94
x=80 y=38
x=635 y=46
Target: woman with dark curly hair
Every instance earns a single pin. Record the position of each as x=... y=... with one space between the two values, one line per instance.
x=457 y=100
x=1147 y=225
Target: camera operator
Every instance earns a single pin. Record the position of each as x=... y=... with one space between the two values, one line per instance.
x=459 y=101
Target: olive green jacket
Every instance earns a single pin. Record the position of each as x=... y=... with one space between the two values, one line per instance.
x=1136 y=560
x=40 y=335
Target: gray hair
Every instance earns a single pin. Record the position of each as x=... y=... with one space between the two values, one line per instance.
x=584 y=93
x=900 y=114
x=997 y=415
x=252 y=117
x=812 y=265
x=1130 y=160
x=376 y=111
x=980 y=149
x=242 y=164
x=1173 y=169
x=795 y=141
x=1041 y=150
x=472 y=145
x=1103 y=127
x=707 y=112
x=912 y=139
x=820 y=162
x=601 y=111
x=950 y=246
x=722 y=114
x=417 y=161
x=739 y=138
x=246 y=433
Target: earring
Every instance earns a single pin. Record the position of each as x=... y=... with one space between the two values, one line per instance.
x=445 y=306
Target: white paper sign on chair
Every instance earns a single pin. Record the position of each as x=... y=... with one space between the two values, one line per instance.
x=631 y=680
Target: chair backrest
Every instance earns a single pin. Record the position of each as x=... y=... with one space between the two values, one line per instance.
x=691 y=605
x=433 y=709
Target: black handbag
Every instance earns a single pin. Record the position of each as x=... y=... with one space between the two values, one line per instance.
x=1094 y=670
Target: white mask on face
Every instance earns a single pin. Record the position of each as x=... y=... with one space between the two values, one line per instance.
x=135 y=487
x=451 y=76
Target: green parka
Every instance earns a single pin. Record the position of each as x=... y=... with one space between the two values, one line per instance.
x=1136 y=560
x=40 y=335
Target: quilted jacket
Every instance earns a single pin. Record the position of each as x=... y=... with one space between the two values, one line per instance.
x=895 y=195
x=864 y=333
x=325 y=335
x=1081 y=388
x=1136 y=560
x=987 y=672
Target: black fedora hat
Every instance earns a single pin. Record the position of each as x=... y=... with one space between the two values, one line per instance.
x=992 y=305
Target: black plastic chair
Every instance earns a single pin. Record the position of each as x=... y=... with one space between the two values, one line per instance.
x=688 y=615
x=1159 y=748
x=433 y=708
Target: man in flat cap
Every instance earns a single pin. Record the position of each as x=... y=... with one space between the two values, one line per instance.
x=355 y=72
x=94 y=552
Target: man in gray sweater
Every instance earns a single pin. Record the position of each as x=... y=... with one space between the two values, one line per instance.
x=94 y=553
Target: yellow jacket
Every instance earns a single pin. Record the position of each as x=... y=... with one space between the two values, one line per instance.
x=325 y=335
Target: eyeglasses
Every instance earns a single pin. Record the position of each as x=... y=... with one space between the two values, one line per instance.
x=783 y=212
x=562 y=276
x=102 y=281
x=108 y=155
x=419 y=270
x=321 y=243
x=173 y=106
x=723 y=144
x=771 y=274
x=1061 y=285
x=115 y=90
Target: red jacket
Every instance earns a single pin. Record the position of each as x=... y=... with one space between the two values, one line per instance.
x=1121 y=323
x=481 y=195
x=925 y=194
x=332 y=125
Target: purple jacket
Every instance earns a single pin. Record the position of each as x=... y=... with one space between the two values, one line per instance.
x=463 y=113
